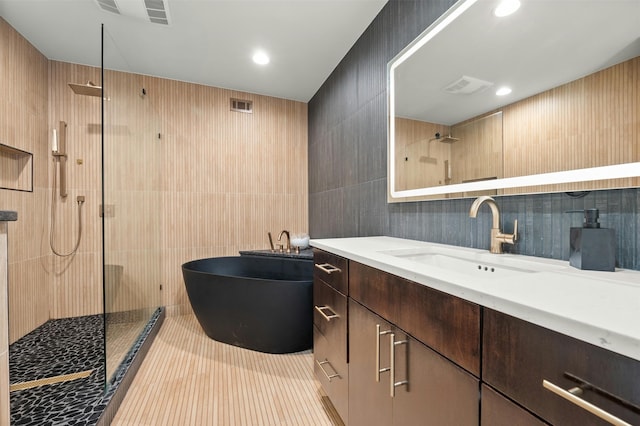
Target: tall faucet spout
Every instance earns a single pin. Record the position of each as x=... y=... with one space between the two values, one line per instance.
x=497 y=236
x=473 y=212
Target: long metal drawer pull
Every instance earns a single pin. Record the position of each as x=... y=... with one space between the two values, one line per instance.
x=327 y=375
x=328 y=268
x=570 y=396
x=585 y=385
x=329 y=317
x=392 y=355
x=378 y=369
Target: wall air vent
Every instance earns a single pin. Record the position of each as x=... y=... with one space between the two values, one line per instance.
x=466 y=85
x=109 y=6
x=239 y=105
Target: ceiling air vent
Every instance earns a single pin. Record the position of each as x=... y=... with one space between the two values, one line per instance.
x=108 y=5
x=154 y=11
x=466 y=85
x=239 y=105
x=157 y=11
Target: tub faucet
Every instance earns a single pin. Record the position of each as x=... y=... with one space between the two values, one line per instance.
x=287 y=246
x=497 y=237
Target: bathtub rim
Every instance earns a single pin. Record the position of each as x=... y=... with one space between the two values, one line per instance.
x=270 y=258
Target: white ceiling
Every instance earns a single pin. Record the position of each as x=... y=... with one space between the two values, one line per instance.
x=209 y=42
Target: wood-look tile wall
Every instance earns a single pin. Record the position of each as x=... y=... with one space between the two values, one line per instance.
x=228 y=177
x=590 y=122
x=23 y=125
x=76 y=285
x=214 y=183
x=132 y=163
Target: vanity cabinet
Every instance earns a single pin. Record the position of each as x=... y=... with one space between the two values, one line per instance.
x=409 y=354
x=527 y=362
x=330 y=288
x=396 y=380
x=445 y=323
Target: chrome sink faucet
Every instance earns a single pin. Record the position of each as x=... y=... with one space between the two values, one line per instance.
x=497 y=237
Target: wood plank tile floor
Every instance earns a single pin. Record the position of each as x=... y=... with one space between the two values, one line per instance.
x=189 y=379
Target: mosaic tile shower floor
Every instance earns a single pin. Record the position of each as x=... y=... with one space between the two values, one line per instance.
x=56 y=348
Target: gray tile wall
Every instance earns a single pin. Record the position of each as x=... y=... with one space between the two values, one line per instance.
x=348 y=164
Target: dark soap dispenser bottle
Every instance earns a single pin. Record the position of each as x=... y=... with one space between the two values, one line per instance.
x=591 y=247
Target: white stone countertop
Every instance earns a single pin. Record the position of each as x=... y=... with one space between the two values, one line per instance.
x=601 y=308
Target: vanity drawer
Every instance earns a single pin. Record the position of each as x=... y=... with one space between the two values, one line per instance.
x=332 y=373
x=499 y=411
x=330 y=316
x=518 y=356
x=332 y=269
x=446 y=323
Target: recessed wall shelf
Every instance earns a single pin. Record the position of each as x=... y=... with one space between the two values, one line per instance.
x=16 y=169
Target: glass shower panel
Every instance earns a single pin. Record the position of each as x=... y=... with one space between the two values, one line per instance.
x=131 y=203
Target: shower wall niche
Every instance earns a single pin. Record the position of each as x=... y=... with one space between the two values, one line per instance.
x=16 y=169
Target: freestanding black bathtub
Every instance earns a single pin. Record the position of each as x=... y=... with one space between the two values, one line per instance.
x=255 y=302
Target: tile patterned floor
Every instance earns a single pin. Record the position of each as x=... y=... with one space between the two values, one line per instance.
x=61 y=347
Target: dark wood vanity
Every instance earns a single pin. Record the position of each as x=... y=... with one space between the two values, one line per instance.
x=390 y=351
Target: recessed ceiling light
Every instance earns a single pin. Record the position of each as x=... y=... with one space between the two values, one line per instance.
x=260 y=58
x=503 y=91
x=506 y=8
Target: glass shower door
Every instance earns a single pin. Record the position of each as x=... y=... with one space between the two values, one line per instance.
x=131 y=202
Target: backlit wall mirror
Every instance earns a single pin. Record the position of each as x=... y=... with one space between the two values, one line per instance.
x=570 y=122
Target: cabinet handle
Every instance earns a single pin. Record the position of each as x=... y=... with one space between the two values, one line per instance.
x=328 y=268
x=329 y=317
x=570 y=395
x=378 y=369
x=327 y=375
x=392 y=372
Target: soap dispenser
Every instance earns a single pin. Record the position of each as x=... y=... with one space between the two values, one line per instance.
x=591 y=247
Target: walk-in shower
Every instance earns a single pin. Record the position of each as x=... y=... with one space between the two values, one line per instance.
x=104 y=274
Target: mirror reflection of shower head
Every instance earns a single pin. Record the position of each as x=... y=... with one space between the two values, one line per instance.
x=444 y=139
x=88 y=89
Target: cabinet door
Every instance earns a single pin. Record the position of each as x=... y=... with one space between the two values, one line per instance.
x=521 y=359
x=437 y=391
x=369 y=401
x=431 y=389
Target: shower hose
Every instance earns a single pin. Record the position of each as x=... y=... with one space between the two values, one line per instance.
x=53 y=219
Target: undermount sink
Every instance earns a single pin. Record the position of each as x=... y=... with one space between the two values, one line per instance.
x=471 y=263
